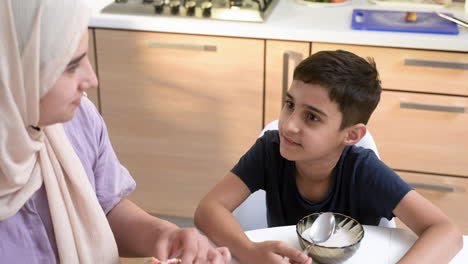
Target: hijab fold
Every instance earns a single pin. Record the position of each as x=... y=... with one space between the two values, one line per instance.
x=37 y=40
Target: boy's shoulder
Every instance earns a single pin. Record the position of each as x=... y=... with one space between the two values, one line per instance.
x=271 y=136
x=270 y=142
x=364 y=164
x=360 y=157
x=268 y=146
x=359 y=151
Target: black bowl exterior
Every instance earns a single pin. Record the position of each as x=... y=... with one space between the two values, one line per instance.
x=331 y=255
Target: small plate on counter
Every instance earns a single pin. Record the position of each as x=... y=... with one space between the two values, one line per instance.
x=323 y=3
x=413 y=3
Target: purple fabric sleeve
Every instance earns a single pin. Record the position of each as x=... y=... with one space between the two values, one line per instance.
x=88 y=134
x=28 y=236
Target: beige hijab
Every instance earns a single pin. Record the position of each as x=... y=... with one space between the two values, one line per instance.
x=37 y=40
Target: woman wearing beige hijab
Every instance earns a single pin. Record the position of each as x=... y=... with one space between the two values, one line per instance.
x=62 y=190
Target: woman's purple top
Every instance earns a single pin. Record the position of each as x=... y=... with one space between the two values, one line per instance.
x=28 y=236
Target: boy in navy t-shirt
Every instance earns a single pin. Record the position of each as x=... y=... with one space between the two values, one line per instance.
x=311 y=165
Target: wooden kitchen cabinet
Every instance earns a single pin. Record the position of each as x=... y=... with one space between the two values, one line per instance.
x=414 y=70
x=448 y=193
x=280 y=61
x=180 y=109
x=93 y=94
x=413 y=136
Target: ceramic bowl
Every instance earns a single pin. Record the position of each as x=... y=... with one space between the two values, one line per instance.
x=337 y=250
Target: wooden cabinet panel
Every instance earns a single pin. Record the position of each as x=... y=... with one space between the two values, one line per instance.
x=448 y=193
x=181 y=110
x=93 y=94
x=411 y=136
x=403 y=69
x=280 y=61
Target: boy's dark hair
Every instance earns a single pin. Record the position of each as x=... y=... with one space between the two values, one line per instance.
x=352 y=82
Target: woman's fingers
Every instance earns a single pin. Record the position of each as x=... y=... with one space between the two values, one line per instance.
x=188 y=239
x=294 y=255
x=215 y=257
x=219 y=255
x=191 y=247
x=225 y=254
x=161 y=249
x=203 y=248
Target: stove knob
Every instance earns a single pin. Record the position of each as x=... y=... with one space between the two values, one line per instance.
x=158 y=6
x=174 y=5
x=190 y=7
x=236 y=2
x=206 y=8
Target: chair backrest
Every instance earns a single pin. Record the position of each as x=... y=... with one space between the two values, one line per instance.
x=252 y=214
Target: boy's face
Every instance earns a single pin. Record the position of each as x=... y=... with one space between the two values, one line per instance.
x=309 y=124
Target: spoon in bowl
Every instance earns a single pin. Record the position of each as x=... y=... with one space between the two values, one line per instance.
x=320 y=230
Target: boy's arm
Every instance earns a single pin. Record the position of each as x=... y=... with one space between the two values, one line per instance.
x=214 y=217
x=439 y=238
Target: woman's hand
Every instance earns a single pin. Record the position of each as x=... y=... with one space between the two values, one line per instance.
x=190 y=246
x=274 y=252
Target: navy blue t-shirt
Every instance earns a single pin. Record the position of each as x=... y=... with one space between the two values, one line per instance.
x=362 y=187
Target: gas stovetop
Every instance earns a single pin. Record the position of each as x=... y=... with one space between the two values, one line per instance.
x=236 y=10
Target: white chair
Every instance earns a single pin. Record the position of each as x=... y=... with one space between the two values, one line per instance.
x=252 y=214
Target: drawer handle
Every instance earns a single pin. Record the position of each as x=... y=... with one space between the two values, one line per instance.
x=296 y=58
x=154 y=44
x=437 y=64
x=432 y=187
x=431 y=107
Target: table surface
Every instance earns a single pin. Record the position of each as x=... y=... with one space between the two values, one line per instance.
x=380 y=244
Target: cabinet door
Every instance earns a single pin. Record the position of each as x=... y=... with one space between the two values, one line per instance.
x=422 y=132
x=414 y=70
x=281 y=59
x=448 y=193
x=93 y=94
x=180 y=109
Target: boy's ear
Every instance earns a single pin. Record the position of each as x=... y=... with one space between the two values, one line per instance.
x=354 y=133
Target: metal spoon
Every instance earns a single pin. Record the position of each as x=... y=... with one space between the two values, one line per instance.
x=453 y=19
x=321 y=230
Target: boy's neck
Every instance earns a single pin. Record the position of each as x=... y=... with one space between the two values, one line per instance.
x=313 y=178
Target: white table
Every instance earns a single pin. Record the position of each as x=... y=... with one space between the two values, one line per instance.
x=379 y=245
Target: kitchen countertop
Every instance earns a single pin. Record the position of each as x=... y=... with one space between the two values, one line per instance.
x=292 y=21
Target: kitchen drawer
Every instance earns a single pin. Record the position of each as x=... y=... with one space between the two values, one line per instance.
x=447 y=193
x=414 y=70
x=418 y=132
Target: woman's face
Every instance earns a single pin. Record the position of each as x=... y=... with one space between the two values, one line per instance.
x=59 y=104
